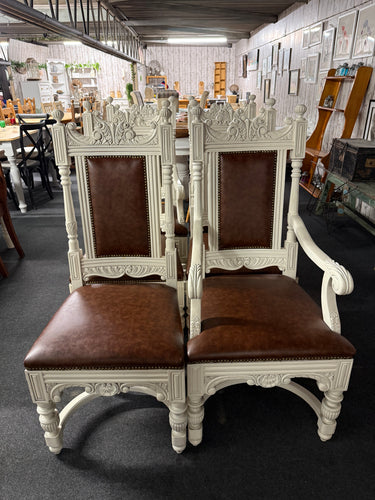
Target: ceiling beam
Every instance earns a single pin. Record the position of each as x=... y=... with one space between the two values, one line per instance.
x=29 y=15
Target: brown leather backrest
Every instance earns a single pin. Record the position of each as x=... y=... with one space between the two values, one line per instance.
x=119 y=205
x=246 y=199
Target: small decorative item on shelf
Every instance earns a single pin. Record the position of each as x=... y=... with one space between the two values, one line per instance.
x=328 y=101
x=55 y=79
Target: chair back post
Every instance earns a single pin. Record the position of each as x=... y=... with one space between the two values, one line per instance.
x=270 y=113
x=250 y=108
x=87 y=119
x=196 y=272
x=63 y=162
x=167 y=160
x=110 y=109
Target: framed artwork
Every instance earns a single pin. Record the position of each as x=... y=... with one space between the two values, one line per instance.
x=273 y=82
x=345 y=35
x=303 y=67
x=305 y=38
x=281 y=60
x=312 y=68
x=275 y=54
x=286 y=62
x=293 y=82
x=269 y=64
x=369 y=132
x=316 y=34
x=244 y=65
x=364 y=36
x=266 y=89
x=327 y=49
x=259 y=80
x=320 y=86
x=264 y=67
x=252 y=60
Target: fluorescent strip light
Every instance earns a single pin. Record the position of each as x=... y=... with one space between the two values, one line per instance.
x=199 y=40
x=72 y=43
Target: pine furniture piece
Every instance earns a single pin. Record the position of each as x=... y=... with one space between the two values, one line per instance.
x=114 y=337
x=250 y=321
x=220 y=79
x=7 y=227
x=332 y=87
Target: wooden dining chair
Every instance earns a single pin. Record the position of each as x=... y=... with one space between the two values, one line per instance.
x=7 y=115
x=7 y=224
x=48 y=107
x=116 y=332
x=29 y=104
x=250 y=321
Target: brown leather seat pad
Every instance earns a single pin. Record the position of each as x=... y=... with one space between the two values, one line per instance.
x=113 y=327
x=262 y=318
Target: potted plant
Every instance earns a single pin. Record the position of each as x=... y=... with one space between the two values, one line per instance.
x=129 y=89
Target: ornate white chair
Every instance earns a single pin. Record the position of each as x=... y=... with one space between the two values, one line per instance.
x=113 y=334
x=255 y=324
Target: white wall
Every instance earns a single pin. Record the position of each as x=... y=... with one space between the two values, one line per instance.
x=288 y=32
x=191 y=64
x=113 y=75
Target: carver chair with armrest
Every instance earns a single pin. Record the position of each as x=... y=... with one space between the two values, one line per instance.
x=255 y=325
x=116 y=332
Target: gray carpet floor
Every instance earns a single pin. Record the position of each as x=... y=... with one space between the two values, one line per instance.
x=258 y=443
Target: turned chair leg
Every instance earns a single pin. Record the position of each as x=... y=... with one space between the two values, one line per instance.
x=330 y=410
x=178 y=423
x=50 y=422
x=195 y=419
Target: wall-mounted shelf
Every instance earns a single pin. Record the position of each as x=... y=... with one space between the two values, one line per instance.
x=332 y=88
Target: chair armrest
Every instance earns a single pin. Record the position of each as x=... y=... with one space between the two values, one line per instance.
x=336 y=279
x=195 y=279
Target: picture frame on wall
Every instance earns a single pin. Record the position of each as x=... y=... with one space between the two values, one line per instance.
x=266 y=89
x=264 y=67
x=273 y=82
x=312 y=68
x=364 y=39
x=316 y=34
x=252 y=60
x=305 y=38
x=244 y=66
x=345 y=35
x=369 y=131
x=293 y=82
x=281 y=60
x=302 y=73
x=275 y=54
x=328 y=39
x=259 y=80
x=269 y=64
x=286 y=62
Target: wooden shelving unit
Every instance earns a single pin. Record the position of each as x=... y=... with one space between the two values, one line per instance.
x=220 y=78
x=332 y=88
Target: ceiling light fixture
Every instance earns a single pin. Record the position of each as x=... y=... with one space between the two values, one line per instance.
x=72 y=43
x=203 y=40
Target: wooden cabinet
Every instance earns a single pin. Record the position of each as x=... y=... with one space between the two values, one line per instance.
x=332 y=88
x=220 y=78
x=86 y=79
